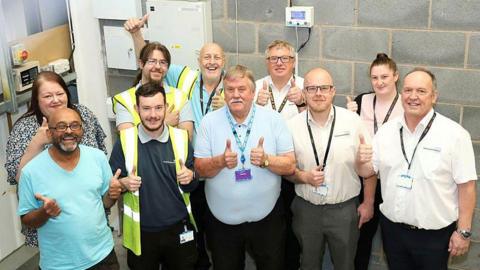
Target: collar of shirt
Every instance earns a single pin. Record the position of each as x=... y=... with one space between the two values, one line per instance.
x=311 y=121
x=144 y=137
x=164 y=84
x=285 y=88
x=245 y=122
x=421 y=125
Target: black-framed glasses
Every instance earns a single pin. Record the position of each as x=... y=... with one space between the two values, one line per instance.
x=283 y=59
x=62 y=127
x=324 y=89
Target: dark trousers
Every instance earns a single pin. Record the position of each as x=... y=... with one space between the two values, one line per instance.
x=108 y=263
x=367 y=231
x=264 y=239
x=292 y=247
x=199 y=209
x=164 y=248
x=418 y=249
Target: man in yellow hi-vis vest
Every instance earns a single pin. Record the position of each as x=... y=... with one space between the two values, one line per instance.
x=154 y=62
x=156 y=162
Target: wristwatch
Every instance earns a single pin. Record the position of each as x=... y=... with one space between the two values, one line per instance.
x=265 y=162
x=466 y=234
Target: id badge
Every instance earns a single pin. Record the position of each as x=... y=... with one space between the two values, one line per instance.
x=186 y=236
x=321 y=190
x=243 y=175
x=405 y=181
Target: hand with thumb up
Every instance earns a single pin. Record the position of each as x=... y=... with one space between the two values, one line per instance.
x=218 y=101
x=351 y=104
x=50 y=206
x=41 y=138
x=364 y=152
x=263 y=94
x=257 y=154
x=132 y=182
x=173 y=116
x=184 y=175
x=230 y=158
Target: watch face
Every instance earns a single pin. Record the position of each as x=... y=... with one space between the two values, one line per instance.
x=465 y=234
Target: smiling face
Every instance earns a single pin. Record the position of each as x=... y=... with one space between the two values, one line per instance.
x=152 y=111
x=278 y=69
x=418 y=95
x=320 y=100
x=211 y=62
x=154 y=68
x=65 y=141
x=239 y=95
x=383 y=79
x=51 y=97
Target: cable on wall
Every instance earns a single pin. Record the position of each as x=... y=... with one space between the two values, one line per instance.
x=236 y=30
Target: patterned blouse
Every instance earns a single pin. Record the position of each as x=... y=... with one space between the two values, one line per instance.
x=23 y=132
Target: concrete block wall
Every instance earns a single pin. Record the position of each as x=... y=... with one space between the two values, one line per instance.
x=442 y=35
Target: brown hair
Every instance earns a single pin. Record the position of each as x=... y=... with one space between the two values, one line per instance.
x=145 y=53
x=45 y=76
x=383 y=59
x=150 y=90
x=282 y=44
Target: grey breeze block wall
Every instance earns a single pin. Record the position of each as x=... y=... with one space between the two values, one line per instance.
x=442 y=35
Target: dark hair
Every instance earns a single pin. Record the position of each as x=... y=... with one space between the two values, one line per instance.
x=145 y=53
x=383 y=59
x=149 y=90
x=44 y=76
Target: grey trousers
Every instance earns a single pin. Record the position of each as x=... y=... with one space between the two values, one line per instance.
x=334 y=224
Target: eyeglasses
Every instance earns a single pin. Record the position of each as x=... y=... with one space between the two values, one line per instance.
x=154 y=62
x=283 y=59
x=62 y=127
x=324 y=89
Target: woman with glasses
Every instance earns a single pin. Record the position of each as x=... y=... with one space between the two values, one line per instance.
x=376 y=108
x=29 y=134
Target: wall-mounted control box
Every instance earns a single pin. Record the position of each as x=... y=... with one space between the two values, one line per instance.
x=299 y=16
x=25 y=74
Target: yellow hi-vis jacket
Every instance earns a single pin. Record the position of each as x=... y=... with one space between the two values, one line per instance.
x=131 y=200
x=186 y=80
x=127 y=99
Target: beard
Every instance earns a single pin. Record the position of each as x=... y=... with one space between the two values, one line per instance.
x=152 y=128
x=64 y=149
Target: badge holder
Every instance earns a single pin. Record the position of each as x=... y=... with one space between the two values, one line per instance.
x=321 y=190
x=186 y=236
x=243 y=174
x=405 y=181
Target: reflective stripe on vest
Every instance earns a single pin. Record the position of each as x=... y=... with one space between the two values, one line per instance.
x=131 y=200
x=128 y=100
x=186 y=81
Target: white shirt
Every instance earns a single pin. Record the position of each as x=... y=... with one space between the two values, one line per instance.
x=340 y=177
x=290 y=109
x=444 y=159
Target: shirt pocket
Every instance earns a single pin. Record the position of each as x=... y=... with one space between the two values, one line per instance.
x=430 y=160
x=342 y=148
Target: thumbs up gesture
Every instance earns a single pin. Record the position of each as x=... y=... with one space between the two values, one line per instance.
x=184 y=175
x=316 y=176
x=115 y=188
x=50 y=206
x=364 y=152
x=173 y=117
x=257 y=154
x=351 y=104
x=132 y=182
x=230 y=157
x=263 y=94
x=133 y=25
x=217 y=101
x=42 y=138
x=295 y=94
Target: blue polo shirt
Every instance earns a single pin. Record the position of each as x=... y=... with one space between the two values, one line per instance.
x=234 y=202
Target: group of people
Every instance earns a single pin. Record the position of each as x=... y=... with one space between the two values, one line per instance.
x=210 y=163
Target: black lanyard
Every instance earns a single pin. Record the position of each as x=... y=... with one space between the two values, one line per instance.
x=375 y=125
x=211 y=94
x=424 y=133
x=328 y=144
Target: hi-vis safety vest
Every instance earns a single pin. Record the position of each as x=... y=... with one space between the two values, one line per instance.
x=131 y=200
x=186 y=81
x=127 y=99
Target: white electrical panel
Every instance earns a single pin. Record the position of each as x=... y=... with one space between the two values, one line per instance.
x=183 y=27
x=119 y=48
x=117 y=9
x=299 y=16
